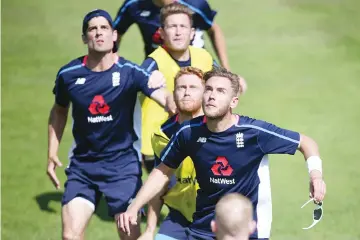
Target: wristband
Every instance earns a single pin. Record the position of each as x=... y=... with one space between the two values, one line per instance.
x=314 y=163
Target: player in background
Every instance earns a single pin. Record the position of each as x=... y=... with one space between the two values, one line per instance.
x=233 y=218
x=101 y=88
x=146 y=14
x=230 y=154
x=180 y=194
x=176 y=31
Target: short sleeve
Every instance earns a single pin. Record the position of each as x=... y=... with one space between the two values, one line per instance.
x=141 y=78
x=204 y=15
x=273 y=139
x=123 y=19
x=150 y=65
x=61 y=92
x=175 y=152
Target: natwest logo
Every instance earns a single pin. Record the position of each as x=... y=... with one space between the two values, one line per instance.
x=222 y=168
x=99 y=106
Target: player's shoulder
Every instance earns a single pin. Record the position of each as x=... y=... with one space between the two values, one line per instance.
x=131 y=4
x=253 y=123
x=188 y=126
x=194 y=4
x=123 y=63
x=149 y=64
x=71 y=66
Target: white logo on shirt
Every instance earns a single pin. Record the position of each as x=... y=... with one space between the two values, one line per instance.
x=198 y=40
x=145 y=13
x=201 y=140
x=115 y=79
x=240 y=140
x=80 y=81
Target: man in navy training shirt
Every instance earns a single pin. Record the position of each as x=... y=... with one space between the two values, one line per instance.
x=146 y=14
x=102 y=89
x=229 y=152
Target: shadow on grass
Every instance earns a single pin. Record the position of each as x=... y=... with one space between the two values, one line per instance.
x=43 y=201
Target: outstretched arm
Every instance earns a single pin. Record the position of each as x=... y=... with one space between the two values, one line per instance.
x=273 y=139
x=153 y=186
x=153 y=214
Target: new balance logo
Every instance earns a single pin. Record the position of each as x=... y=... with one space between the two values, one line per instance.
x=145 y=13
x=201 y=140
x=80 y=81
x=240 y=140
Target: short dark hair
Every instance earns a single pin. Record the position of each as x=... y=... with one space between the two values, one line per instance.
x=223 y=72
x=175 y=8
x=96 y=13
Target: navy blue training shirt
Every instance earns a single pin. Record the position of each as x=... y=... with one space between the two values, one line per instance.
x=234 y=160
x=147 y=16
x=102 y=106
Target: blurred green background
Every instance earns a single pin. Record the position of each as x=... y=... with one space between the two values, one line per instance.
x=301 y=59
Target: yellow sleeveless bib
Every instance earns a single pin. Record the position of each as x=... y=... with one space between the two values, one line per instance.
x=154 y=115
x=182 y=196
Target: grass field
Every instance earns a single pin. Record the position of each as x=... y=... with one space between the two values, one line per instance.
x=301 y=59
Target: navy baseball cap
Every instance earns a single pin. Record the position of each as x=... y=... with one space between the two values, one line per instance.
x=96 y=13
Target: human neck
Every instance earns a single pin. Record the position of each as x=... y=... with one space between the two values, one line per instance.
x=99 y=62
x=221 y=124
x=181 y=56
x=184 y=116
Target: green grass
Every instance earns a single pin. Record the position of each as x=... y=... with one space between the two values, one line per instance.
x=302 y=63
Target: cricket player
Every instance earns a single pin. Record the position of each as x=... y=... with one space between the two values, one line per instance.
x=230 y=154
x=180 y=194
x=146 y=14
x=176 y=31
x=101 y=89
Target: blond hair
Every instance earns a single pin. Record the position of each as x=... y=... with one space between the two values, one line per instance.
x=223 y=72
x=175 y=8
x=233 y=213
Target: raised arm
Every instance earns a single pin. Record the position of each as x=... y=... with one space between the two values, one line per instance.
x=217 y=39
x=153 y=85
x=123 y=20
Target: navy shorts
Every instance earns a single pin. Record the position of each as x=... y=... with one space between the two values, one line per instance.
x=173 y=227
x=118 y=179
